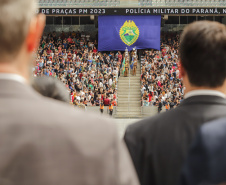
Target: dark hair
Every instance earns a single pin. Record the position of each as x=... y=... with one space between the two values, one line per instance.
x=203 y=53
x=52 y=88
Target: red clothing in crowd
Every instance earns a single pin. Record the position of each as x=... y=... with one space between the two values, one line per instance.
x=69 y=56
x=48 y=51
x=163 y=52
x=150 y=96
x=120 y=58
x=159 y=84
x=80 y=75
x=114 y=96
x=72 y=97
x=69 y=40
x=106 y=102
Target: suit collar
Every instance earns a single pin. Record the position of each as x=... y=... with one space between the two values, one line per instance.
x=204 y=99
x=16 y=89
x=204 y=92
x=14 y=77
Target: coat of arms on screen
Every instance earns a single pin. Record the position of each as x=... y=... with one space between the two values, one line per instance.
x=129 y=33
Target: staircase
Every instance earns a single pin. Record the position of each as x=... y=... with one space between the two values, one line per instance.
x=129 y=96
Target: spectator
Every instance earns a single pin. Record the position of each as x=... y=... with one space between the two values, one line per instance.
x=106 y=101
x=78 y=65
x=160 y=70
x=164 y=139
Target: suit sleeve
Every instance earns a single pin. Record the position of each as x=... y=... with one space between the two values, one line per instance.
x=195 y=170
x=135 y=150
x=125 y=171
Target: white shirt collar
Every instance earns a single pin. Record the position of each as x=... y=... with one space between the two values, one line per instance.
x=14 y=77
x=204 y=92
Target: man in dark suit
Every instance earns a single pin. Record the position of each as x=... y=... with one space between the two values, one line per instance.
x=206 y=162
x=44 y=141
x=159 y=145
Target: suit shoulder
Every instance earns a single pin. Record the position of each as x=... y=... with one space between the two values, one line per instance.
x=213 y=133
x=161 y=120
x=63 y=115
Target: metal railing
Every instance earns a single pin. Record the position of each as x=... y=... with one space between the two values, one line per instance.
x=131 y=3
x=129 y=88
x=66 y=3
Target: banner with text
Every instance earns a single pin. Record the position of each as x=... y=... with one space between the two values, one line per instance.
x=133 y=11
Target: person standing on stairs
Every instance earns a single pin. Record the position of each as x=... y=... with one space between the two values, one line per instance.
x=126 y=69
x=135 y=67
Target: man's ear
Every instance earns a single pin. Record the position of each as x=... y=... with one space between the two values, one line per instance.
x=181 y=69
x=35 y=32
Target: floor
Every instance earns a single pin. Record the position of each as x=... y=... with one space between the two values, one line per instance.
x=122 y=125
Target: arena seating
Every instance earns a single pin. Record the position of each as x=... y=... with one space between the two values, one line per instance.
x=202 y=3
x=90 y=77
x=79 y=2
x=160 y=79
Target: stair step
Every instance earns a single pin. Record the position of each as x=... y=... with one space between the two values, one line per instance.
x=128 y=113
x=126 y=101
x=131 y=99
x=127 y=116
x=138 y=104
x=128 y=109
x=131 y=76
x=129 y=88
x=131 y=79
x=131 y=84
x=126 y=89
x=124 y=93
x=126 y=105
x=129 y=96
x=127 y=79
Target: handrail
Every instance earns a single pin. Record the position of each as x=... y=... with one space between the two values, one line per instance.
x=129 y=87
x=117 y=3
x=141 y=110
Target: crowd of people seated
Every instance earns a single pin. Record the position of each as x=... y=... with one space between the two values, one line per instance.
x=160 y=80
x=90 y=76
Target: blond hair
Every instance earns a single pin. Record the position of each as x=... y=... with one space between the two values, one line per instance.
x=15 y=17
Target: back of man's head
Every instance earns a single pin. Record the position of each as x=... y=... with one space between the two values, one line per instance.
x=203 y=53
x=15 y=17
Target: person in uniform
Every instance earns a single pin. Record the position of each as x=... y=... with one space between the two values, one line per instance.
x=111 y=109
x=126 y=69
x=102 y=107
x=135 y=67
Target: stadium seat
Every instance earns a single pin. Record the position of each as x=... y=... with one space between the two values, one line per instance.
x=160 y=3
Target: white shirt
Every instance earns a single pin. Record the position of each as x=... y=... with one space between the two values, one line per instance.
x=204 y=92
x=14 y=77
x=110 y=82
